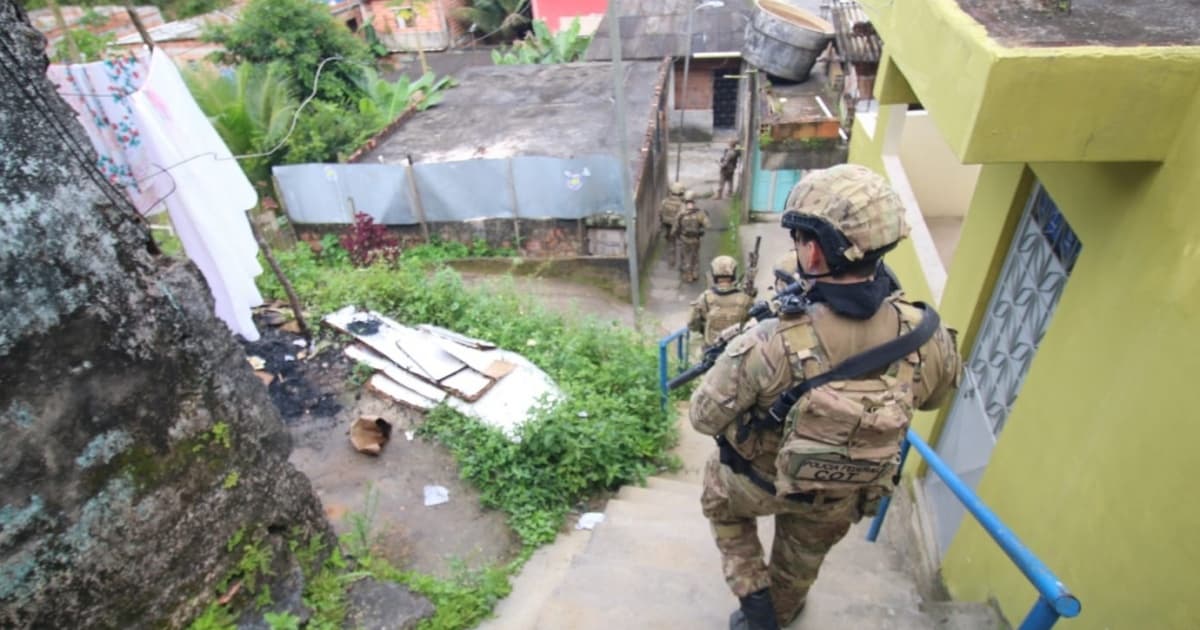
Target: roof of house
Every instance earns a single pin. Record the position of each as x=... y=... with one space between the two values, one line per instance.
x=856 y=38
x=556 y=110
x=653 y=29
x=187 y=29
x=1089 y=22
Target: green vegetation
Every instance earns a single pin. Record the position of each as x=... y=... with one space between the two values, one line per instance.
x=541 y=46
x=384 y=101
x=278 y=46
x=730 y=245
x=231 y=480
x=91 y=46
x=251 y=108
x=299 y=34
x=495 y=19
x=607 y=430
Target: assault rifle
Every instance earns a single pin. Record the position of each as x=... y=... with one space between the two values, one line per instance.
x=760 y=311
x=752 y=269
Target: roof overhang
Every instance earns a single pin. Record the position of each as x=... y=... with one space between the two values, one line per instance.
x=997 y=103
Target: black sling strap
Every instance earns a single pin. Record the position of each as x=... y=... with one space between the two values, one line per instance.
x=876 y=358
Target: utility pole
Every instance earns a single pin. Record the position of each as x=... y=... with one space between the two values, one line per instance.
x=631 y=244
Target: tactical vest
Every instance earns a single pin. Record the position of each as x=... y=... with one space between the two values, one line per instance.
x=723 y=309
x=670 y=209
x=691 y=225
x=840 y=437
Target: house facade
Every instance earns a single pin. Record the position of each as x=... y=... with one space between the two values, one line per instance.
x=1049 y=164
x=558 y=14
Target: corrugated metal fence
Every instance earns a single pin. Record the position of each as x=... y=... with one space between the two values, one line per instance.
x=527 y=187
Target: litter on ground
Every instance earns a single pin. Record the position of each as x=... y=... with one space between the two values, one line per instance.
x=424 y=366
x=436 y=495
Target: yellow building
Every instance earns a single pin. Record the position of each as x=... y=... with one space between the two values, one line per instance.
x=1051 y=165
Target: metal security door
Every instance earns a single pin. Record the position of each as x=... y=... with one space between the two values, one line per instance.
x=725 y=98
x=1042 y=254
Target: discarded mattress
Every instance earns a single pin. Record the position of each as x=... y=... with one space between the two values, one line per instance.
x=426 y=366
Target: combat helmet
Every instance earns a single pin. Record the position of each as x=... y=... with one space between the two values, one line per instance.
x=853 y=212
x=689 y=196
x=676 y=189
x=723 y=267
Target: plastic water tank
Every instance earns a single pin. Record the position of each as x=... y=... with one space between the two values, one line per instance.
x=785 y=40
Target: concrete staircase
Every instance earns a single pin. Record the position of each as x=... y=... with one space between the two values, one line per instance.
x=652 y=564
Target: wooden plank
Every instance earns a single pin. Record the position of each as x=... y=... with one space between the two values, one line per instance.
x=397 y=374
x=398 y=393
x=401 y=345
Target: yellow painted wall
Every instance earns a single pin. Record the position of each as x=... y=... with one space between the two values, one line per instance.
x=1095 y=468
x=1004 y=104
x=943 y=185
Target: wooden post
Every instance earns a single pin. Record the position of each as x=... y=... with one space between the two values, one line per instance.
x=73 y=54
x=416 y=198
x=137 y=23
x=512 y=191
x=283 y=281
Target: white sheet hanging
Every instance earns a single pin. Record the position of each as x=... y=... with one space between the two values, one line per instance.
x=153 y=141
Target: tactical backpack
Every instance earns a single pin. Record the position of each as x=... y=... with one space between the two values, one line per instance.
x=841 y=428
x=723 y=310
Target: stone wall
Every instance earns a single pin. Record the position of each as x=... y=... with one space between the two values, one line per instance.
x=134 y=439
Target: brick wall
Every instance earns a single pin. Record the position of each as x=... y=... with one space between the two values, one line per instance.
x=700 y=81
x=432 y=16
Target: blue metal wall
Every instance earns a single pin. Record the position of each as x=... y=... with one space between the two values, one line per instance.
x=528 y=187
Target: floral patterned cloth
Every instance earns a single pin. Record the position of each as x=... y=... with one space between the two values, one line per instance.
x=153 y=142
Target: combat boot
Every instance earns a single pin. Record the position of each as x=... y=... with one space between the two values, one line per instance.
x=757 y=613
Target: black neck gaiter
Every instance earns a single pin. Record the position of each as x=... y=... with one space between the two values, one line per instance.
x=859 y=300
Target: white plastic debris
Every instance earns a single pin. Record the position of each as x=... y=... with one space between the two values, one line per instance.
x=436 y=495
x=300 y=343
x=589 y=520
x=408 y=435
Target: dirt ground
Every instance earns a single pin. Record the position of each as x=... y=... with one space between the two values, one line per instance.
x=318 y=401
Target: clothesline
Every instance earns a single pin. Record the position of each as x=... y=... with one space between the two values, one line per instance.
x=157 y=124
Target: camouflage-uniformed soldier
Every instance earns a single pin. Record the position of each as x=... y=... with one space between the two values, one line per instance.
x=721 y=306
x=667 y=211
x=843 y=220
x=689 y=230
x=728 y=163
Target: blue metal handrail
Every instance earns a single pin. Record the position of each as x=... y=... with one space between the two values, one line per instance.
x=1054 y=600
x=680 y=338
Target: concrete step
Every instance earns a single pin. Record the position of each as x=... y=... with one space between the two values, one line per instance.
x=687 y=489
x=533 y=587
x=602 y=594
x=964 y=616
x=635 y=494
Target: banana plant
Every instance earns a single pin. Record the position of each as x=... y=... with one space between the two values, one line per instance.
x=540 y=46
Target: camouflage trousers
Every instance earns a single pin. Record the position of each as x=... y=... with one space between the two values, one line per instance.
x=689 y=263
x=672 y=250
x=804 y=533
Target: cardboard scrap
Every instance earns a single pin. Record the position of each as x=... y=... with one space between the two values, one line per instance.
x=368 y=434
x=467 y=384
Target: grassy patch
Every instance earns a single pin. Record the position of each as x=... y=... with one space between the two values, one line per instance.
x=730 y=244
x=607 y=430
